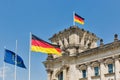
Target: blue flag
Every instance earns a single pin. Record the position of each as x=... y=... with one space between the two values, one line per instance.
x=11 y=57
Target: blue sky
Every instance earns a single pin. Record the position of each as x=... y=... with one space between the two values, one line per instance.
x=46 y=17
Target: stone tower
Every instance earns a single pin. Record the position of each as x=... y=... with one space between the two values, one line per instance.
x=74 y=40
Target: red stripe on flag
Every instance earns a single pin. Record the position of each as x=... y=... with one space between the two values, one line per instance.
x=80 y=19
x=41 y=43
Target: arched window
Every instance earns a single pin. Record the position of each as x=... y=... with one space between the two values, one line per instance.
x=60 y=76
x=84 y=73
x=96 y=67
x=110 y=65
x=96 y=71
x=83 y=69
x=110 y=68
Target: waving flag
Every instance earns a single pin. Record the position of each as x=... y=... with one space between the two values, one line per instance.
x=78 y=19
x=39 y=45
x=12 y=58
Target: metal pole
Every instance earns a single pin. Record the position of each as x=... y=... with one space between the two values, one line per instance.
x=29 y=58
x=16 y=61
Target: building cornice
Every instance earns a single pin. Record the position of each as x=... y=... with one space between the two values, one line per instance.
x=104 y=48
x=97 y=50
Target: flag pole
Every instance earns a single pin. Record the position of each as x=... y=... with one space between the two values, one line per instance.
x=3 y=70
x=16 y=61
x=29 y=58
x=73 y=18
x=4 y=65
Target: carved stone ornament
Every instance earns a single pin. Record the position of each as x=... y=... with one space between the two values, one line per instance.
x=116 y=56
x=109 y=61
x=57 y=72
x=95 y=64
x=49 y=70
x=83 y=67
x=64 y=67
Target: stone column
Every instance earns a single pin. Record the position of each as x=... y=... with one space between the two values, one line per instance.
x=49 y=74
x=89 y=71
x=102 y=70
x=71 y=73
x=117 y=68
x=64 y=74
x=64 y=68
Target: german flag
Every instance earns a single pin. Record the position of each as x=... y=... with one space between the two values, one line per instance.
x=78 y=19
x=39 y=45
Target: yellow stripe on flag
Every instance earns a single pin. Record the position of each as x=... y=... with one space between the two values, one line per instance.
x=81 y=22
x=44 y=50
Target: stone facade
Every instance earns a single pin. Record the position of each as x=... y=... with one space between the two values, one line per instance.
x=82 y=59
